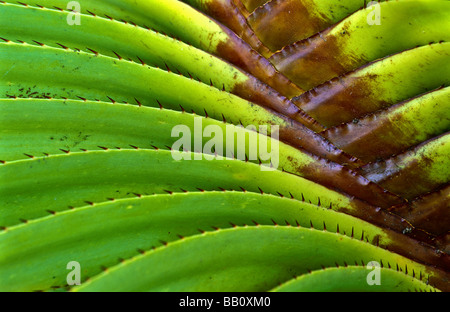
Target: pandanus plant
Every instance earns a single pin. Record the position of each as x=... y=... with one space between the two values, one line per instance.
x=358 y=98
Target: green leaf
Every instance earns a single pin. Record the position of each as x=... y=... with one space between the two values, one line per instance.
x=241 y=259
x=134 y=224
x=75 y=75
x=355 y=279
x=179 y=20
x=71 y=180
x=118 y=40
x=88 y=126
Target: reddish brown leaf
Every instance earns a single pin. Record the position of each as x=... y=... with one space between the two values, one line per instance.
x=420 y=170
x=378 y=85
x=429 y=212
x=226 y=12
x=341 y=100
x=279 y=23
x=311 y=62
x=299 y=136
x=241 y=7
x=354 y=41
x=342 y=179
x=238 y=52
x=406 y=240
x=443 y=243
x=257 y=92
x=392 y=131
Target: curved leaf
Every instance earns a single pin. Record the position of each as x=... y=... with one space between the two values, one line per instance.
x=179 y=20
x=119 y=40
x=124 y=173
x=146 y=84
x=242 y=259
x=354 y=279
x=140 y=223
x=86 y=76
x=91 y=124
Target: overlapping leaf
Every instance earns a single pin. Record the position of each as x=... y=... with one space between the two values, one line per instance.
x=86 y=143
